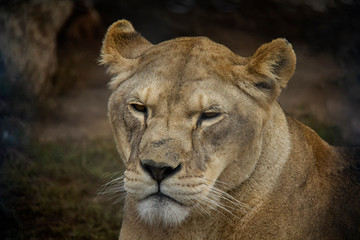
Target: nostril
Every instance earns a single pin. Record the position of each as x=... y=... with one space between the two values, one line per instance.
x=169 y=171
x=159 y=173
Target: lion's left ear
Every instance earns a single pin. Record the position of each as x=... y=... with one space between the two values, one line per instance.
x=122 y=46
x=271 y=67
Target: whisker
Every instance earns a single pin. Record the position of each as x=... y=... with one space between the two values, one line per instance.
x=212 y=205
x=114 y=189
x=113 y=181
x=218 y=182
x=220 y=194
x=203 y=210
x=218 y=205
x=120 y=199
x=224 y=195
x=215 y=197
x=111 y=189
x=111 y=175
x=227 y=197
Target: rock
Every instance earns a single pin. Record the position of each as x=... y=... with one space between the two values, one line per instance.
x=28 y=62
x=28 y=31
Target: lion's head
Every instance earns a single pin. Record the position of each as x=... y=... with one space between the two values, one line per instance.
x=188 y=117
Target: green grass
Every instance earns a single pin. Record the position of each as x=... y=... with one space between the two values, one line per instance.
x=50 y=192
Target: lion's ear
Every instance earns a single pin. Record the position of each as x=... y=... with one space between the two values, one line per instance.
x=271 y=67
x=121 y=49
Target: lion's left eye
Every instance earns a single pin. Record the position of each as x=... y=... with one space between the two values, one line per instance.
x=209 y=115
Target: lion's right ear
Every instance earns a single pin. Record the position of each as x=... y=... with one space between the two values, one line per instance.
x=268 y=71
x=120 y=51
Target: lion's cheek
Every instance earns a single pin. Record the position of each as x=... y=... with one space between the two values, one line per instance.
x=128 y=132
x=123 y=145
x=241 y=163
x=235 y=150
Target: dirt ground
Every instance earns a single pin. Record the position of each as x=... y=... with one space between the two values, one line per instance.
x=314 y=90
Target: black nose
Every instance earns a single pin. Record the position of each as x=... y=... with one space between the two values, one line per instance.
x=159 y=171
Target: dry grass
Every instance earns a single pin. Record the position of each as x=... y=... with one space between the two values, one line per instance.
x=50 y=192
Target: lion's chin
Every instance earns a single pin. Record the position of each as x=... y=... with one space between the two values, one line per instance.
x=162 y=210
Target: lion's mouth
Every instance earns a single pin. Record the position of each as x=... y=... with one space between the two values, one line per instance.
x=160 y=197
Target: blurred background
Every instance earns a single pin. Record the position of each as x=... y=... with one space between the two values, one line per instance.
x=56 y=146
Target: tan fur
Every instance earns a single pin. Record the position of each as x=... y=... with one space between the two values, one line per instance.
x=242 y=169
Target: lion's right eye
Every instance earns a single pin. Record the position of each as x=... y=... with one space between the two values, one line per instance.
x=139 y=107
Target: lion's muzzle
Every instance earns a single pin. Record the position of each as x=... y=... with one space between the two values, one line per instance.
x=158 y=170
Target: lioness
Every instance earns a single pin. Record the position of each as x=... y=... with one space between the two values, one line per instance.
x=210 y=154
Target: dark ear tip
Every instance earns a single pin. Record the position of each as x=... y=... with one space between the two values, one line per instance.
x=263 y=85
x=123 y=26
x=282 y=43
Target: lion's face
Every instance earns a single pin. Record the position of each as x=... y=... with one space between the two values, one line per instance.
x=185 y=128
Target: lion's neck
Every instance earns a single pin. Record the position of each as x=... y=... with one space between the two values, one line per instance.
x=275 y=151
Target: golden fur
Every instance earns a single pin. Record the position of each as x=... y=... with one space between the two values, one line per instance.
x=210 y=154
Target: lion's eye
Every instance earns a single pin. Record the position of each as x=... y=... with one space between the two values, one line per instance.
x=139 y=107
x=209 y=115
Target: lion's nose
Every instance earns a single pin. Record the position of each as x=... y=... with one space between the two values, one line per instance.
x=159 y=171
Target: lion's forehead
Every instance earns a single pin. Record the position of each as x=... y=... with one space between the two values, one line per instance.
x=189 y=57
x=191 y=96
x=185 y=72
x=181 y=48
